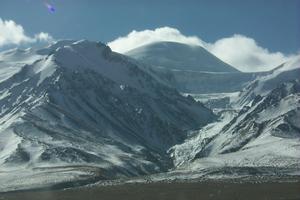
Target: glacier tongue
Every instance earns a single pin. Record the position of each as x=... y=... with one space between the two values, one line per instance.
x=188 y=151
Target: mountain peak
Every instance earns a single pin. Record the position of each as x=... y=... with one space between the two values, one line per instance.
x=179 y=56
x=66 y=44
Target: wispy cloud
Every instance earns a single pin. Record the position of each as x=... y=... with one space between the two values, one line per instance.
x=12 y=33
x=240 y=51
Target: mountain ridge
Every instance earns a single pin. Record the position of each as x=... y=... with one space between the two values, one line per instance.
x=83 y=104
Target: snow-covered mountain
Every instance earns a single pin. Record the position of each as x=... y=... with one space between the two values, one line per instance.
x=76 y=112
x=77 y=103
x=262 y=136
x=190 y=69
x=277 y=115
x=266 y=82
x=178 y=56
x=206 y=82
x=12 y=60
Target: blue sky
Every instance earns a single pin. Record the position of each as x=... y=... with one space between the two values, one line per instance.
x=274 y=24
x=252 y=35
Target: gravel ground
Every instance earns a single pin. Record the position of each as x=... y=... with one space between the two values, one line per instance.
x=173 y=191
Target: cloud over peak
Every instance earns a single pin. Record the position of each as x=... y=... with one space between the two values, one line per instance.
x=238 y=50
x=12 y=33
x=139 y=38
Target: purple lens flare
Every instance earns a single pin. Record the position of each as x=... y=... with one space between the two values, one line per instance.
x=51 y=9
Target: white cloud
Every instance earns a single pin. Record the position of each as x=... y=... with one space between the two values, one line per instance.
x=240 y=51
x=14 y=34
x=139 y=38
x=43 y=37
x=245 y=54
